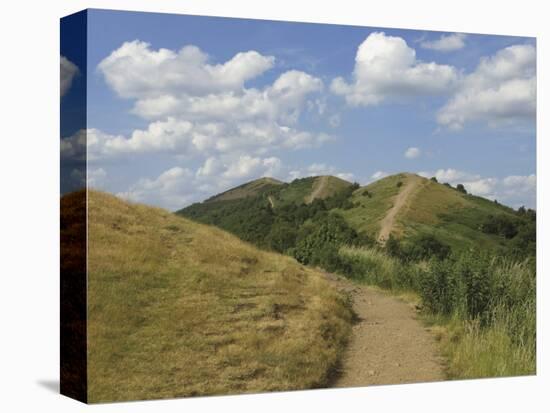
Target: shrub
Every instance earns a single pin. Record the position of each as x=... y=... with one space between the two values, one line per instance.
x=461 y=188
x=399 y=184
x=502 y=225
x=425 y=247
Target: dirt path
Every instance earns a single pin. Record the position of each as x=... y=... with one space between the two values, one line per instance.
x=389 y=345
x=271 y=201
x=321 y=183
x=387 y=223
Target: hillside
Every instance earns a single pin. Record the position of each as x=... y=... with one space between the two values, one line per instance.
x=178 y=308
x=428 y=207
x=253 y=188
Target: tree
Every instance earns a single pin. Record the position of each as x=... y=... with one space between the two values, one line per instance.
x=460 y=188
x=433 y=179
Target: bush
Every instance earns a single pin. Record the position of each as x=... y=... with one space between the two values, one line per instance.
x=425 y=247
x=461 y=188
x=502 y=225
x=399 y=184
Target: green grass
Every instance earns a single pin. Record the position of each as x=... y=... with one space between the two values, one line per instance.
x=435 y=209
x=370 y=210
x=178 y=308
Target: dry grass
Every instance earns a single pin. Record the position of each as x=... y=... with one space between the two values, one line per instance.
x=178 y=309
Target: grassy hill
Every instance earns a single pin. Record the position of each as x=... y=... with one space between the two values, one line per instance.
x=405 y=206
x=177 y=308
x=453 y=217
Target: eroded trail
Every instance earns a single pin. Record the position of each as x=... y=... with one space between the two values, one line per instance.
x=389 y=345
x=387 y=223
x=321 y=183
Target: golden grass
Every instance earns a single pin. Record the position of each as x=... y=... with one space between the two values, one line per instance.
x=178 y=309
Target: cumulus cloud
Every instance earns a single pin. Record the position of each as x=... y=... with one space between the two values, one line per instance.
x=387 y=68
x=171 y=189
x=134 y=70
x=190 y=140
x=501 y=90
x=73 y=148
x=446 y=43
x=198 y=108
x=247 y=166
x=412 y=153
x=513 y=190
x=68 y=71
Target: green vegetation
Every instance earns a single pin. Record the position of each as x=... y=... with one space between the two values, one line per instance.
x=432 y=209
x=176 y=308
x=469 y=261
x=482 y=307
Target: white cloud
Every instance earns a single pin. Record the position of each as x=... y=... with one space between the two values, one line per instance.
x=171 y=189
x=387 y=68
x=379 y=175
x=68 y=71
x=201 y=109
x=500 y=91
x=513 y=190
x=74 y=147
x=412 y=153
x=191 y=140
x=450 y=175
x=134 y=70
x=282 y=101
x=446 y=43
x=96 y=177
x=247 y=166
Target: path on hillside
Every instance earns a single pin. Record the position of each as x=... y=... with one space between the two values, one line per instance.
x=388 y=345
x=321 y=183
x=387 y=223
x=271 y=201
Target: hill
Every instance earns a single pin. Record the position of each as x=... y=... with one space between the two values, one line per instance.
x=298 y=191
x=408 y=206
x=405 y=206
x=177 y=308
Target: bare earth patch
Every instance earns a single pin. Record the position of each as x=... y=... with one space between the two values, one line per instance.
x=388 y=344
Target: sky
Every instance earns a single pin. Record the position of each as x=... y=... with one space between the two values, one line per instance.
x=180 y=108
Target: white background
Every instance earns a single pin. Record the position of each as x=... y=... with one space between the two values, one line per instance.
x=29 y=222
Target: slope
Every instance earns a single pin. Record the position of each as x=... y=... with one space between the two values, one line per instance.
x=407 y=205
x=178 y=308
x=252 y=188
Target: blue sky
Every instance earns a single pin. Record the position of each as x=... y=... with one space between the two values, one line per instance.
x=247 y=98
